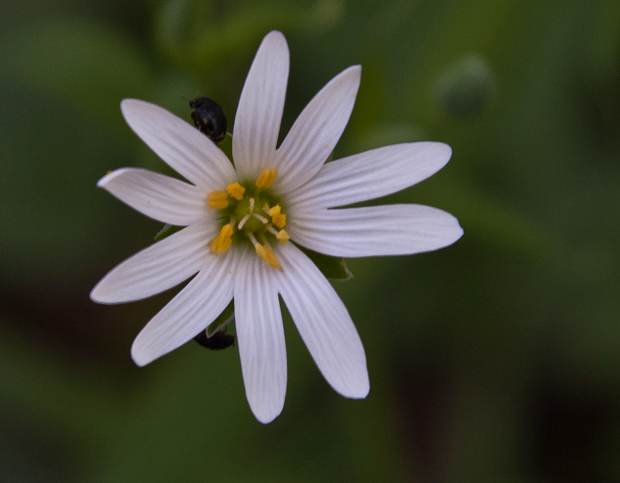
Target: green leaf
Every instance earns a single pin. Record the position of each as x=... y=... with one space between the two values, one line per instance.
x=166 y=231
x=226 y=144
x=226 y=317
x=333 y=268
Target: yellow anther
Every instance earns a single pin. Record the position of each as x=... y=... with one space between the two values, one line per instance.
x=222 y=242
x=275 y=210
x=277 y=218
x=218 y=200
x=266 y=178
x=282 y=236
x=235 y=190
x=267 y=255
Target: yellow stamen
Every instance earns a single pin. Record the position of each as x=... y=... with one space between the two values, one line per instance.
x=275 y=210
x=278 y=219
x=218 y=200
x=282 y=236
x=222 y=242
x=267 y=255
x=266 y=178
x=235 y=190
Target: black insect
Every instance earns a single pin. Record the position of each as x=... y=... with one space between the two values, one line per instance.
x=218 y=341
x=209 y=118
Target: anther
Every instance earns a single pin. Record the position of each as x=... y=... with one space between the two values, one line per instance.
x=222 y=242
x=278 y=219
x=282 y=236
x=267 y=255
x=217 y=200
x=235 y=190
x=266 y=178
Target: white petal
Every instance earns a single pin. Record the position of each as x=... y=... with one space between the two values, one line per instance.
x=374 y=230
x=323 y=322
x=261 y=337
x=372 y=174
x=191 y=311
x=316 y=131
x=185 y=149
x=158 y=267
x=163 y=198
x=259 y=113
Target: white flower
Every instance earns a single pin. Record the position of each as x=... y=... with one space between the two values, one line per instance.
x=239 y=220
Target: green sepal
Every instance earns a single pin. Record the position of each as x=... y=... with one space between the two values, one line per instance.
x=226 y=317
x=226 y=145
x=166 y=231
x=333 y=268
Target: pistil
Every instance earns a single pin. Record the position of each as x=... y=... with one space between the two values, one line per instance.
x=241 y=202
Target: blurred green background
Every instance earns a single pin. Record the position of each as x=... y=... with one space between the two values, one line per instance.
x=494 y=360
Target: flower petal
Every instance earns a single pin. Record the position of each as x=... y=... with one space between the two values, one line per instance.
x=374 y=230
x=261 y=337
x=158 y=267
x=191 y=311
x=323 y=322
x=183 y=147
x=161 y=197
x=316 y=131
x=259 y=113
x=372 y=174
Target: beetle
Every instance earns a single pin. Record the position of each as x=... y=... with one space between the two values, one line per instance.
x=209 y=118
x=218 y=341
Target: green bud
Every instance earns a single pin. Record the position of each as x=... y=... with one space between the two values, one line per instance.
x=466 y=87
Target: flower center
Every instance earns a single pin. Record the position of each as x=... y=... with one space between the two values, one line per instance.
x=250 y=212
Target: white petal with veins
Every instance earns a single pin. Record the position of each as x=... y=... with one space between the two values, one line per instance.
x=371 y=174
x=261 y=337
x=316 y=131
x=324 y=323
x=191 y=311
x=157 y=196
x=159 y=267
x=375 y=230
x=183 y=147
x=259 y=113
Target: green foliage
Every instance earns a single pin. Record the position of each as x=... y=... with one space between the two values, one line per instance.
x=333 y=268
x=493 y=360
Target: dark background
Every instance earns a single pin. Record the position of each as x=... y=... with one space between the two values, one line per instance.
x=494 y=360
